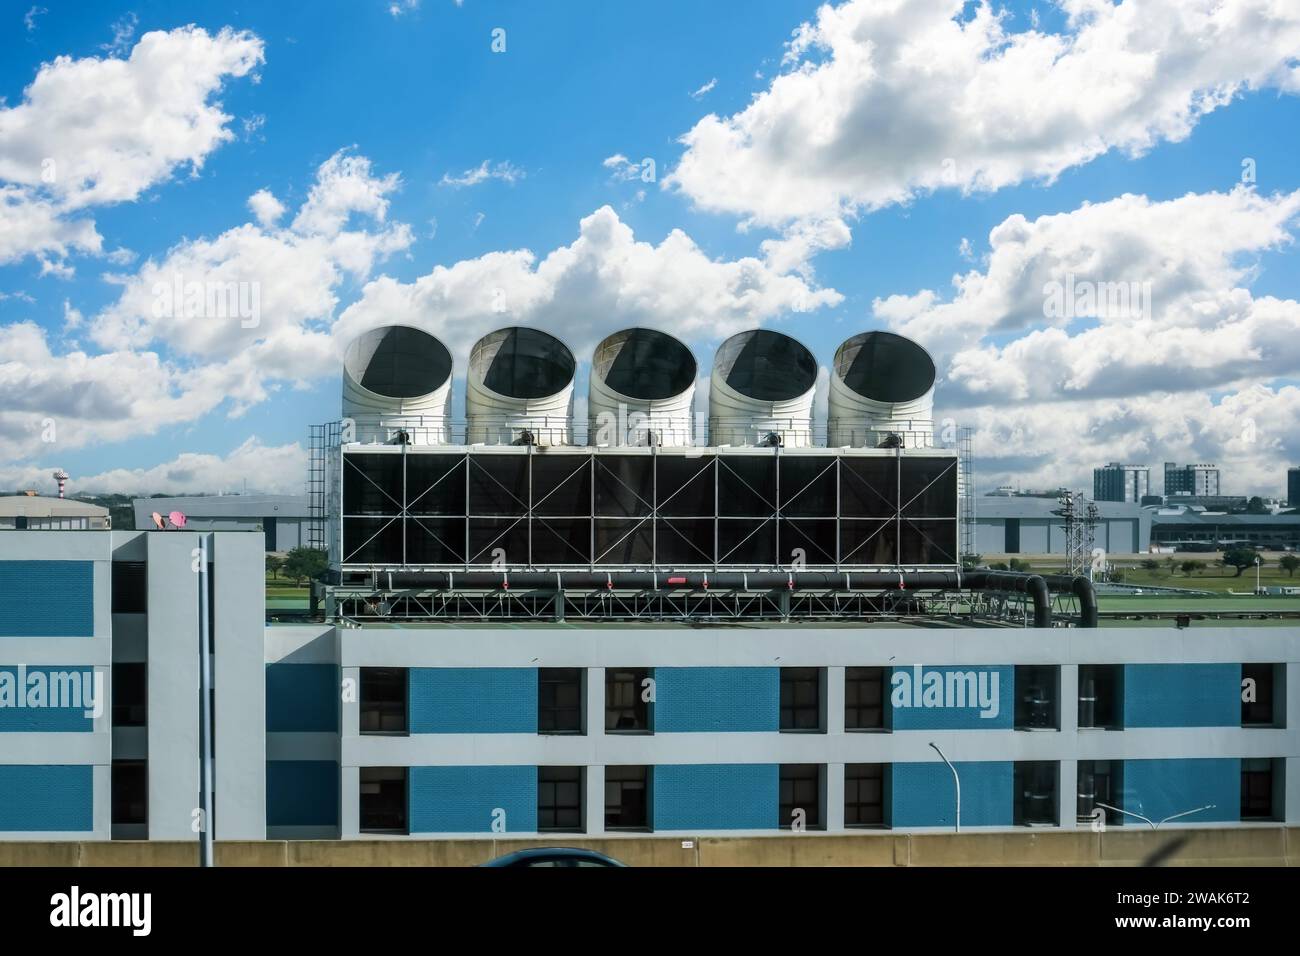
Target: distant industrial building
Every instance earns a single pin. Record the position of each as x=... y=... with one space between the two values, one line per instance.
x=1116 y=482
x=1293 y=487
x=283 y=518
x=1191 y=479
x=1193 y=530
x=1028 y=526
x=1207 y=502
x=38 y=513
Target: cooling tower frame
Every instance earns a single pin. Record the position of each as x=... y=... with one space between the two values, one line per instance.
x=761 y=390
x=642 y=390
x=398 y=378
x=881 y=390
x=519 y=388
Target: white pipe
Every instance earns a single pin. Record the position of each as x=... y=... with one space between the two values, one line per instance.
x=397 y=378
x=882 y=384
x=520 y=380
x=642 y=390
x=762 y=385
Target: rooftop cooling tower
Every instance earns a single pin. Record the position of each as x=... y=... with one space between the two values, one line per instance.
x=397 y=379
x=762 y=386
x=882 y=393
x=642 y=384
x=519 y=388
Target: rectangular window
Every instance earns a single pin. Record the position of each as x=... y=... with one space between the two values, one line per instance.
x=627 y=798
x=130 y=588
x=1035 y=792
x=383 y=800
x=130 y=696
x=1101 y=696
x=130 y=793
x=383 y=700
x=559 y=799
x=1100 y=781
x=1036 y=697
x=864 y=794
x=559 y=700
x=628 y=694
x=801 y=796
x=1257 y=789
x=1258 y=695
x=801 y=699
x=864 y=697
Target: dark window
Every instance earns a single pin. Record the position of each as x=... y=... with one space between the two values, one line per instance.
x=628 y=694
x=130 y=798
x=1013 y=535
x=383 y=700
x=130 y=587
x=559 y=700
x=1100 y=781
x=130 y=696
x=1258 y=712
x=864 y=695
x=268 y=528
x=383 y=799
x=627 y=798
x=1036 y=697
x=864 y=794
x=1257 y=789
x=1035 y=790
x=801 y=698
x=801 y=795
x=1100 y=696
x=559 y=799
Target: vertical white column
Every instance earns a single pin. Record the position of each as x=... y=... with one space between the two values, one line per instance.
x=594 y=798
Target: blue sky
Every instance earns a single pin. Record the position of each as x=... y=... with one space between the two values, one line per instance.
x=415 y=91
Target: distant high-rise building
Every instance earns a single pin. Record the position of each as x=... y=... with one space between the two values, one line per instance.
x=1200 y=480
x=1293 y=487
x=1116 y=482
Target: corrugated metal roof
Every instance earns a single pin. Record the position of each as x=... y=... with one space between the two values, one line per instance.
x=225 y=506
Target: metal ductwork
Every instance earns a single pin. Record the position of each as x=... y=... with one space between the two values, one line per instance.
x=761 y=391
x=397 y=386
x=519 y=389
x=881 y=393
x=642 y=390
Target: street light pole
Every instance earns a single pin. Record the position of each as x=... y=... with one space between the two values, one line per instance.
x=1256 y=575
x=205 y=712
x=1154 y=825
x=956 y=782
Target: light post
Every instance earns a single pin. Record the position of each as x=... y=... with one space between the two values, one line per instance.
x=956 y=782
x=1257 y=575
x=1154 y=825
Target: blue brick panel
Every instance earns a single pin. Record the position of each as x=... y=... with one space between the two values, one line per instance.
x=922 y=794
x=47 y=798
x=716 y=796
x=302 y=793
x=463 y=799
x=1160 y=788
x=302 y=698
x=473 y=700
x=52 y=685
x=957 y=708
x=1182 y=695
x=47 y=599
x=717 y=699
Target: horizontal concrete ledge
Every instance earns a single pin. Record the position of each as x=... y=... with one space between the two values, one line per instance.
x=1238 y=846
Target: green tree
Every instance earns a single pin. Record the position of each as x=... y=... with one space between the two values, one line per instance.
x=1191 y=567
x=1022 y=566
x=998 y=566
x=274 y=565
x=1290 y=563
x=1241 y=559
x=1151 y=564
x=1256 y=506
x=303 y=563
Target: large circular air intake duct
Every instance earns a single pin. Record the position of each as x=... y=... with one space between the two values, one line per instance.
x=881 y=393
x=761 y=391
x=397 y=379
x=642 y=390
x=519 y=388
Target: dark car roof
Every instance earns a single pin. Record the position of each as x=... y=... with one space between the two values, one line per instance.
x=552 y=852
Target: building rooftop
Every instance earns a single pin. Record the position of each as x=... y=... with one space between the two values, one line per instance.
x=1200 y=518
x=997 y=506
x=225 y=506
x=38 y=506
